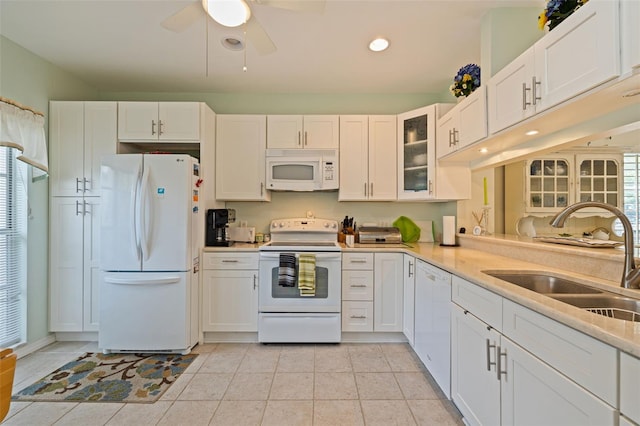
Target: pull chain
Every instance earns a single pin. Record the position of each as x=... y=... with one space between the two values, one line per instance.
x=244 y=52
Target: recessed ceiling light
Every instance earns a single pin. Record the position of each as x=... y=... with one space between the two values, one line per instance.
x=532 y=132
x=379 y=44
x=483 y=150
x=631 y=93
x=232 y=43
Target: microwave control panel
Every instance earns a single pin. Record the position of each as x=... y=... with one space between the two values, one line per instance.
x=329 y=171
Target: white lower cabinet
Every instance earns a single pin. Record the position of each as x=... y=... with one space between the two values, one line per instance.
x=409 y=301
x=629 y=387
x=230 y=292
x=530 y=370
x=388 y=292
x=475 y=388
x=372 y=291
x=432 y=322
x=533 y=393
x=74 y=269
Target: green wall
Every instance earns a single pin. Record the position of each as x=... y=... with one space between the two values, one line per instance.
x=30 y=80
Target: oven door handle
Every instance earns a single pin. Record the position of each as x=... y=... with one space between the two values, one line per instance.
x=319 y=256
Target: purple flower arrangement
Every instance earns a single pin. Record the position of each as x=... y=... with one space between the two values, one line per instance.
x=466 y=81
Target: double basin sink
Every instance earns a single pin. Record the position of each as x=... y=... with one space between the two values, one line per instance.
x=574 y=293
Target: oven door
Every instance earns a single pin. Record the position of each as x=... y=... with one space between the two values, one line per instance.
x=276 y=298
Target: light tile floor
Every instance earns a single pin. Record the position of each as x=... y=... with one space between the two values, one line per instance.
x=253 y=384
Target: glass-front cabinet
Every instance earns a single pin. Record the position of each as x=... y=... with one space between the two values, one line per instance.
x=419 y=175
x=416 y=154
x=557 y=181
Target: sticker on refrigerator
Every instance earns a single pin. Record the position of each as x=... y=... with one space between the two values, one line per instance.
x=160 y=192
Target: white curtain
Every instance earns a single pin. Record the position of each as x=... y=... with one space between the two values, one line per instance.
x=23 y=128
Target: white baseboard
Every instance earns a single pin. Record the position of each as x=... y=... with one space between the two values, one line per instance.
x=35 y=346
x=81 y=336
x=230 y=337
x=377 y=337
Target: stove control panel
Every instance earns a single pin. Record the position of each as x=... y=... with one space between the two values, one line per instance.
x=304 y=225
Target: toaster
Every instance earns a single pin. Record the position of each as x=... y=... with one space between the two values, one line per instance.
x=245 y=234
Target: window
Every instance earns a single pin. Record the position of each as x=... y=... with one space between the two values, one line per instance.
x=631 y=201
x=12 y=249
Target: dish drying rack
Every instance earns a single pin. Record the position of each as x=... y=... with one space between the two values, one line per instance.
x=617 y=313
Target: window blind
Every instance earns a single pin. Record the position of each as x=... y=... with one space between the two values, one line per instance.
x=13 y=215
x=631 y=200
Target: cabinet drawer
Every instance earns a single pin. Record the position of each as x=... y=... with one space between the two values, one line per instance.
x=361 y=261
x=357 y=285
x=587 y=361
x=357 y=316
x=629 y=386
x=480 y=302
x=230 y=260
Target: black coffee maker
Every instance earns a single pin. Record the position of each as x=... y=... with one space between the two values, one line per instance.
x=217 y=222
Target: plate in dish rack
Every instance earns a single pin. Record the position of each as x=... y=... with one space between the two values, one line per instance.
x=580 y=242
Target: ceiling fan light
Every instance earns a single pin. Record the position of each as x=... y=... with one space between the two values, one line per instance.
x=378 y=44
x=230 y=13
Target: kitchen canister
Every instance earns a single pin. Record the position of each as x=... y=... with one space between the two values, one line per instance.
x=259 y=237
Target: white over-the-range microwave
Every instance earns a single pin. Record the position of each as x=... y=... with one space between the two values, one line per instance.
x=302 y=169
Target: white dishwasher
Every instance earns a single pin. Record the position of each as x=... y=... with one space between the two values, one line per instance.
x=432 y=322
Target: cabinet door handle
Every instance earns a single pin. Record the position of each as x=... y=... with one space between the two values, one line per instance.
x=358 y=261
x=410 y=265
x=525 y=89
x=299 y=137
x=255 y=281
x=456 y=137
x=306 y=138
x=452 y=138
x=499 y=355
x=160 y=127
x=430 y=187
x=358 y=317
x=85 y=183
x=153 y=127
x=371 y=190
x=85 y=209
x=77 y=185
x=77 y=208
x=366 y=189
x=261 y=189
x=489 y=363
x=229 y=261
x=357 y=285
x=534 y=87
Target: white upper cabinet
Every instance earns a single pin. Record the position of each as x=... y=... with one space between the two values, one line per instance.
x=630 y=34
x=465 y=124
x=420 y=178
x=578 y=55
x=367 y=158
x=80 y=134
x=298 y=131
x=159 y=121
x=240 y=158
x=509 y=93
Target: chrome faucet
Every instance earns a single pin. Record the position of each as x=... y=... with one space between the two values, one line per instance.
x=631 y=274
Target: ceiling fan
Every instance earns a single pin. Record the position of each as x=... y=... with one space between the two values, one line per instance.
x=239 y=11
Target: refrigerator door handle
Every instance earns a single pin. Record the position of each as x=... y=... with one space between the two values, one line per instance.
x=144 y=215
x=135 y=216
x=151 y=281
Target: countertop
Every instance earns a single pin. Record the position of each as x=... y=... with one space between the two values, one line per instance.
x=468 y=263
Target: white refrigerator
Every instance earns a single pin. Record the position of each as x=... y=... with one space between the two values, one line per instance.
x=151 y=231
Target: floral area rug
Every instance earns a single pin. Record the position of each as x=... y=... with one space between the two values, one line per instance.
x=95 y=377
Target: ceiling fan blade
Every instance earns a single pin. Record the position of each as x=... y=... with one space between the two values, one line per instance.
x=184 y=18
x=258 y=37
x=312 y=6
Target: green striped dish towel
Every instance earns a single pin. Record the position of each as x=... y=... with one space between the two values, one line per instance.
x=307 y=274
